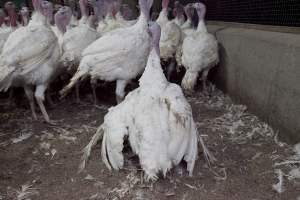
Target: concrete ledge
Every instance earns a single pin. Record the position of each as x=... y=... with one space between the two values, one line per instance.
x=262 y=70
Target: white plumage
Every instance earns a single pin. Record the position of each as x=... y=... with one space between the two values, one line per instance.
x=186 y=29
x=170 y=37
x=158 y=121
x=30 y=56
x=178 y=13
x=170 y=34
x=199 y=52
x=75 y=40
x=119 y=55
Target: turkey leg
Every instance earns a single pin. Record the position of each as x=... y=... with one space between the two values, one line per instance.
x=40 y=97
x=120 y=90
x=29 y=94
x=171 y=68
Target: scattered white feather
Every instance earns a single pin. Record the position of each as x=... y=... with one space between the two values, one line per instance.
x=26 y=192
x=68 y=138
x=22 y=137
x=89 y=177
x=279 y=186
x=53 y=152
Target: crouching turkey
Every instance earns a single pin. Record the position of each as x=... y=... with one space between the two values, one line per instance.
x=157 y=119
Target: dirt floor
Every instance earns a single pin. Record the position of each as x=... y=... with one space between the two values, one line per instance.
x=40 y=161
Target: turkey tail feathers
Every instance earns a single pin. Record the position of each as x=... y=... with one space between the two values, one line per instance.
x=87 y=150
x=79 y=75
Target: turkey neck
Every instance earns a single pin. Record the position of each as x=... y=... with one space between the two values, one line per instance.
x=201 y=24
x=25 y=20
x=83 y=10
x=145 y=12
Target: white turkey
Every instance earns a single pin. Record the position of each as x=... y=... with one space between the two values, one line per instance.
x=170 y=38
x=74 y=41
x=119 y=55
x=178 y=13
x=72 y=4
x=110 y=22
x=5 y=31
x=119 y=15
x=29 y=57
x=24 y=12
x=199 y=52
x=84 y=12
x=186 y=29
x=156 y=118
x=126 y=12
x=62 y=20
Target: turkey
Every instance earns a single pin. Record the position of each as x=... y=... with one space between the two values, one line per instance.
x=178 y=13
x=5 y=31
x=119 y=15
x=170 y=38
x=72 y=4
x=119 y=55
x=62 y=20
x=84 y=12
x=110 y=21
x=24 y=12
x=75 y=40
x=158 y=121
x=199 y=52
x=186 y=29
x=126 y=12
x=29 y=57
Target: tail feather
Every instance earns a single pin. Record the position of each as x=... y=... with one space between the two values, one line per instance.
x=87 y=150
x=207 y=155
x=79 y=75
x=104 y=153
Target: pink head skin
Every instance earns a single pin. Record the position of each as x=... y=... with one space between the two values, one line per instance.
x=83 y=7
x=25 y=15
x=165 y=4
x=189 y=11
x=47 y=10
x=145 y=6
x=2 y=17
x=63 y=18
x=155 y=31
x=201 y=10
x=11 y=11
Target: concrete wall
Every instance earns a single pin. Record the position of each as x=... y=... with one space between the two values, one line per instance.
x=262 y=70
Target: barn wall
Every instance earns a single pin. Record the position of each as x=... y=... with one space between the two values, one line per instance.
x=261 y=69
